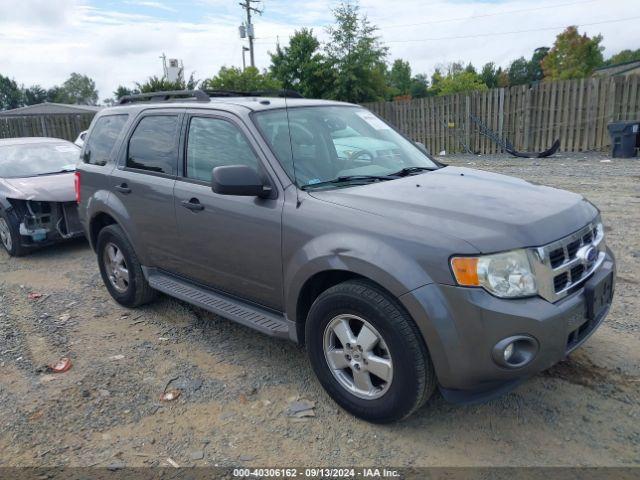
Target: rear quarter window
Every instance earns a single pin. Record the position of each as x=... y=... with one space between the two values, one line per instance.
x=102 y=139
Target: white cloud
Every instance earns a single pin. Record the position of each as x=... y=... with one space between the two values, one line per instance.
x=44 y=41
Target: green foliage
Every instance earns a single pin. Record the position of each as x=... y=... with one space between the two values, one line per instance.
x=10 y=94
x=458 y=82
x=518 y=72
x=420 y=86
x=157 y=84
x=535 y=64
x=80 y=89
x=123 y=91
x=34 y=95
x=233 y=78
x=623 y=57
x=301 y=65
x=489 y=74
x=356 y=56
x=573 y=56
x=399 y=78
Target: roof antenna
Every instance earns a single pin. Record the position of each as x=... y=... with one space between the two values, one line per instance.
x=293 y=162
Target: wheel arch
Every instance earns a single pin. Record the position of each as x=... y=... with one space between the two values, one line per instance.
x=96 y=224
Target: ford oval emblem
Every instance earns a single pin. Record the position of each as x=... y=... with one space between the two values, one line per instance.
x=587 y=254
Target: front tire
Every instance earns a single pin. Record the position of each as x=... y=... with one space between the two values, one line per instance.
x=120 y=269
x=367 y=352
x=10 y=234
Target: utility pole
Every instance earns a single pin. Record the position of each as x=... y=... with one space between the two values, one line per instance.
x=248 y=6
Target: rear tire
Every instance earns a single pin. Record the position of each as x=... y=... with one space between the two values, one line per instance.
x=10 y=238
x=120 y=269
x=400 y=373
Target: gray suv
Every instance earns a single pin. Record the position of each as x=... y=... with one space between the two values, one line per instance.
x=317 y=222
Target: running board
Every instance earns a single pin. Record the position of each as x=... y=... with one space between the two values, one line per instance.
x=243 y=313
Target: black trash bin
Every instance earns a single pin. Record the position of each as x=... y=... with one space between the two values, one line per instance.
x=625 y=139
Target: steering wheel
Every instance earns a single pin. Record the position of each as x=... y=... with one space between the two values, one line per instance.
x=358 y=155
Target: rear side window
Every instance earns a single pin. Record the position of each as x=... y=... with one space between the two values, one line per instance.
x=215 y=143
x=103 y=138
x=153 y=145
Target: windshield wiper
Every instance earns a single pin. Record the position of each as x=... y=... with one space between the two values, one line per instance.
x=409 y=170
x=64 y=170
x=349 y=178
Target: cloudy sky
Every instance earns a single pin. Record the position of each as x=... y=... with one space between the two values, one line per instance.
x=119 y=42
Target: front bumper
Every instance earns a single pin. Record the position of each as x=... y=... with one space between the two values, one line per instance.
x=461 y=326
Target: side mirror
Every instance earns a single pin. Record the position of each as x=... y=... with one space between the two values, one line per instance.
x=238 y=180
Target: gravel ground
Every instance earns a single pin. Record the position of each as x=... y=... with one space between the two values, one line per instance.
x=237 y=386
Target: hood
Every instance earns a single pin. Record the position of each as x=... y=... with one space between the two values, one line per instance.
x=490 y=211
x=48 y=188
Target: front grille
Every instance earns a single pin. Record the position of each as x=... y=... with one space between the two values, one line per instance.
x=576 y=273
x=572 y=248
x=560 y=281
x=563 y=265
x=557 y=257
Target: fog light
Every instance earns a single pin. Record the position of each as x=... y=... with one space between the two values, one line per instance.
x=508 y=352
x=516 y=351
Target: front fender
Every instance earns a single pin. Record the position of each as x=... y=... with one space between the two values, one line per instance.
x=356 y=253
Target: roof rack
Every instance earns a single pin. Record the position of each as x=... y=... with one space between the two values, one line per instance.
x=255 y=93
x=204 y=95
x=199 y=95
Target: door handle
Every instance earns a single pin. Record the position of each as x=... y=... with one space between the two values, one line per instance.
x=123 y=188
x=194 y=205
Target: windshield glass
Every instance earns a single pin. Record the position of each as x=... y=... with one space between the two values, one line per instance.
x=29 y=160
x=334 y=141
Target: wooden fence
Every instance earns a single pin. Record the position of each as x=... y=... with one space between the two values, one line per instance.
x=66 y=126
x=531 y=117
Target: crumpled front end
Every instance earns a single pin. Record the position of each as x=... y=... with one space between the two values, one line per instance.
x=42 y=223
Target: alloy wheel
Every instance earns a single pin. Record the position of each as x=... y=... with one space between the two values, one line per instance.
x=358 y=356
x=116 y=267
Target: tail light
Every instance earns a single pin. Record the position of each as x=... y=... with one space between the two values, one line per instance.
x=76 y=184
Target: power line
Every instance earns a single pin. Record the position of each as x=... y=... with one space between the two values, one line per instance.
x=495 y=34
x=484 y=15
x=470 y=17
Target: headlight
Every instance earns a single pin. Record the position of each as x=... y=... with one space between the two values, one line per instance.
x=506 y=275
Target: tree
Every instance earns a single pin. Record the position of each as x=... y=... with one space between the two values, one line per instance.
x=123 y=91
x=535 y=64
x=248 y=80
x=357 y=57
x=573 y=56
x=34 y=94
x=58 y=94
x=503 y=78
x=80 y=90
x=436 y=81
x=400 y=78
x=420 y=86
x=623 y=57
x=460 y=82
x=10 y=94
x=301 y=65
x=518 y=72
x=489 y=75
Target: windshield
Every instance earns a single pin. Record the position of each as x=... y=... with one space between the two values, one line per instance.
x=334 y=142
x=29 y=160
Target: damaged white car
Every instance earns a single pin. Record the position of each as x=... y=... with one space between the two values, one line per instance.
x=37 y=195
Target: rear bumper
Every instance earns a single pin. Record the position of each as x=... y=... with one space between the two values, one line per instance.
x=461 y=326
